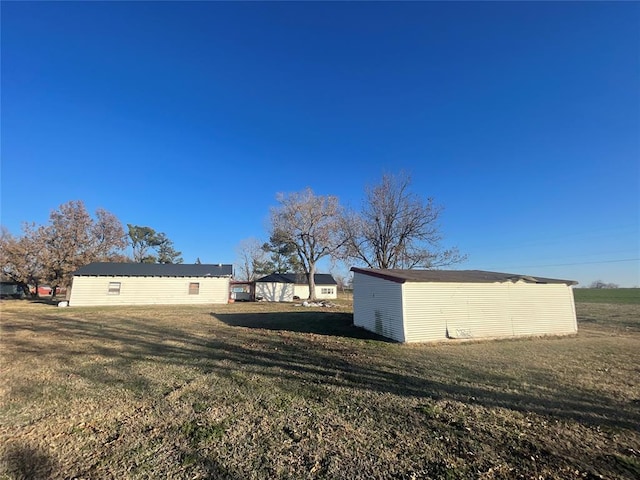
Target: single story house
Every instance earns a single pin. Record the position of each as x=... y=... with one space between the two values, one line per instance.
x=434 y=305
x=286 y=287
x=107 y=283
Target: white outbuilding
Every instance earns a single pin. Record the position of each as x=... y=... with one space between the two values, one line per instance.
x=107 y=283
x=286 y=287
x=436 y=305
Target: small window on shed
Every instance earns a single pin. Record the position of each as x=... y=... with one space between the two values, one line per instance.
x=114 y=288
x=194 y=288
x=326 y=291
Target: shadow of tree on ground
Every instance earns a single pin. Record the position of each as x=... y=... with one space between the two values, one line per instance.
x=23 y=461
x=337 y=324
x=276 y=346
x=288 y=354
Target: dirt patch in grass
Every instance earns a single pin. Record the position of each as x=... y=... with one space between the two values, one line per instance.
x=262 y=390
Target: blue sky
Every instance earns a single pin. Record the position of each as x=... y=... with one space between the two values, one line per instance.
x=522 y=119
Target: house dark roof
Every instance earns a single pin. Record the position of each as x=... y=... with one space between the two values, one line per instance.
x=112 y=269
x=298 y=278
x=454 y=276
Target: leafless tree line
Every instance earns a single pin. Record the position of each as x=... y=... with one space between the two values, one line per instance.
x=49 y=254
x=395 y=228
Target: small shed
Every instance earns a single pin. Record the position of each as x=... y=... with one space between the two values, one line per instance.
x=10 y=289
x=242 y=291
x=107 y=283
x=435 y=305
x=286 y=287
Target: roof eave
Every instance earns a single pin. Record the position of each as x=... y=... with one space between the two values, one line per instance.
x=401 y=279
x=377 y=274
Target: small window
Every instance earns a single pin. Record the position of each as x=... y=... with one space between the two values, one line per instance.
x=194 y=288
x=326 y=291
x=114 y=288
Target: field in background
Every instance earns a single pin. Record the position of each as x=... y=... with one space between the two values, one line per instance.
x=607 y=295
x=259 y=390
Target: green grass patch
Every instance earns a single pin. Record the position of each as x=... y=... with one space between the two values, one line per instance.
x=607 y=295
x=198 y=431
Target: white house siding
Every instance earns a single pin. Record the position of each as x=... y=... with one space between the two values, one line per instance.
x=275 y=292
x=302 y=292
x=542 y=309
x=425 y=311
x=435 y=311
x=94 y=290
x=285 y=292
x=326 y=296
x=476 y=310
x=377 y=306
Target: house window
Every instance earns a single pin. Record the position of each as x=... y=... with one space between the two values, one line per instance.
x=326 y=291
x=194 y=288
x=114 y=288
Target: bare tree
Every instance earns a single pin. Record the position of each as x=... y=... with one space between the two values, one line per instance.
x=342 y=280
x=250 y=257
x=73 y=239
x=601 y=284
x=107 y=237
x=51 y=253
x=21 y=258
x=310 y=223
x=396 y=229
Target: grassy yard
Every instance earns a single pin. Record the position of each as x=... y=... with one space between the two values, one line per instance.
x=254 y=391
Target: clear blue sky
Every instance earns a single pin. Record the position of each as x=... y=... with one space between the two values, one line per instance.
x=522 y=119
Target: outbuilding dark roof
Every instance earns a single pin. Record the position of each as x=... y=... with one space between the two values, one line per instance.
x=112 y=269
x=298 y=278
x=454 y=276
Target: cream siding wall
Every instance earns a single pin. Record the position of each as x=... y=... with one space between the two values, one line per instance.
x=326 y=296
x=542 y=309
x=275 y=292
x=302 y=291
x=284 y=292
x=434 y=311
x=94 y=291
x=424 y=314
x=377 y=306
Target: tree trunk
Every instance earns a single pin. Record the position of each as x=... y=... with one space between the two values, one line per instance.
x=312 y=282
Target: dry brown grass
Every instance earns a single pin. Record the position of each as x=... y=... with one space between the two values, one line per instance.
x=277 y=391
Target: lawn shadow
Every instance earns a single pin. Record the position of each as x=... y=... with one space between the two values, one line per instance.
x=35 y=300
x=296 y=361
x=334 y=324
x=22 y=461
